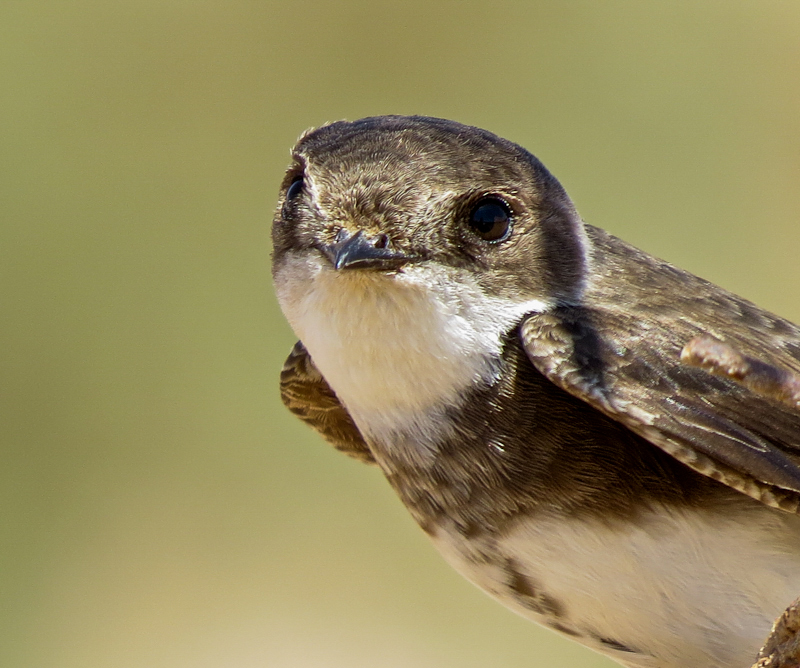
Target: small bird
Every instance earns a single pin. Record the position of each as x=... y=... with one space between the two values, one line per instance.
x=517 y=375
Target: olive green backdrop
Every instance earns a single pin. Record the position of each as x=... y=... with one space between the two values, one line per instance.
x=158 y=507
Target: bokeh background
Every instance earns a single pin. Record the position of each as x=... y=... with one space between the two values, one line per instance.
x=158 y=506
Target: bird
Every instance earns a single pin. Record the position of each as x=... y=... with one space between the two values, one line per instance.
x=606 y=444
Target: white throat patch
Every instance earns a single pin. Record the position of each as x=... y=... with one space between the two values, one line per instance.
x=395 y=347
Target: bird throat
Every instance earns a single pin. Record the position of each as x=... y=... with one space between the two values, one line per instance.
x=397 y=348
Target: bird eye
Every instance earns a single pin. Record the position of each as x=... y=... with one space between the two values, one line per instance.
x=295 y=188
x=490 y=219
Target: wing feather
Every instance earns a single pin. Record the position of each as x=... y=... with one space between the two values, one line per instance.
x=305 y=393
x=625 y=361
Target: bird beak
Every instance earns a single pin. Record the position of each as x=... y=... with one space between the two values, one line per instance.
x=355 y=251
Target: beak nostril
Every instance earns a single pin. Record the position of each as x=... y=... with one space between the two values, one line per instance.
x=350 y=251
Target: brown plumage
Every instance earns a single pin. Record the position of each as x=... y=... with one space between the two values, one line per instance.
x=517 y=376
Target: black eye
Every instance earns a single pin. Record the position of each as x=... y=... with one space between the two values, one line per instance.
x=490 y=219
x=295 y=188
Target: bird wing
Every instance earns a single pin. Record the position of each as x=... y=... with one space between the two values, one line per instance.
x=306 y=394
x=623 y=357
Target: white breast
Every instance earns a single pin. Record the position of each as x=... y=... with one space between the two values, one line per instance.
x=683 y=588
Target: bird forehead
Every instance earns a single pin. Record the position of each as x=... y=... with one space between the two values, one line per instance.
x=387 y=171
x=367 y=193
x=410 y=153
x=382 y=187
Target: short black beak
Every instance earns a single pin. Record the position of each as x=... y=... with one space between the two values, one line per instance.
x=357 y=252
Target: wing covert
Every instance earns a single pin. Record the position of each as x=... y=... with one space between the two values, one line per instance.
x=305 y=393
x=632 y=372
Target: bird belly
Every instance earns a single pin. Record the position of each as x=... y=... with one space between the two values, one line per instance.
x=674 y=588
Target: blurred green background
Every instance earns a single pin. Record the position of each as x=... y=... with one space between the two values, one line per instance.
x=159 y=507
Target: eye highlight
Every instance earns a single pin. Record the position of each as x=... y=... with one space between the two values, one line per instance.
x=295 y=188
x=490 y=219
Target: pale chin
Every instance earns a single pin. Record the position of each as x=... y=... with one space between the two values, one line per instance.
x=396 y=347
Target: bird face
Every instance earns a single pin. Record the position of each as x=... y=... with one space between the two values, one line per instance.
x=407 y=198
